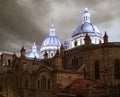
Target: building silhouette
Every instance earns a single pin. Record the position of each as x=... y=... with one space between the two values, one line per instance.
x=88 y=66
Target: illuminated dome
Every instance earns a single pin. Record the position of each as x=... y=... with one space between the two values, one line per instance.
x=66 y=45
x=86 y=27
x=51 y=43
x=34 y=52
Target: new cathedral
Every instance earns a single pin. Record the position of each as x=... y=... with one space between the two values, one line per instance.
x=86 y=66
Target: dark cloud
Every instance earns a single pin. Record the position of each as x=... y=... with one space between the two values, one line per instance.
x=17 y=22
x=24 y=21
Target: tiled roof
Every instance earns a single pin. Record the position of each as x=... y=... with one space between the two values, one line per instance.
x=83 y=84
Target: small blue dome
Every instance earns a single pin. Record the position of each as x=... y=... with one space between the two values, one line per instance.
x=51 y=41
x=66 y=43
x=86 y=27
x=33 y=55
x=34 y=52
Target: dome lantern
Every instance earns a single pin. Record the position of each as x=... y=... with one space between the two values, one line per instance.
x=34 y=48
x=34 y=52
x=52 y=29
x=86 y=16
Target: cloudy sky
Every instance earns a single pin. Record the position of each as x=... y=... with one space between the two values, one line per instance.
x=24 y=21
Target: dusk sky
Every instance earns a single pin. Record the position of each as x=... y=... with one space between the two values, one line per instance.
x=24 y=21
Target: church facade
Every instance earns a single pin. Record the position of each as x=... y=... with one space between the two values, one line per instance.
x=90 y=68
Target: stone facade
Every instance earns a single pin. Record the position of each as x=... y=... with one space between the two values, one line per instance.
x=48 y=77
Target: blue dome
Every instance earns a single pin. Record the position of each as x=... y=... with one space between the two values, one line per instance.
x=51 y=41
x=33 y=55
x=34 y=52
x=86 y=27
x=66 y=43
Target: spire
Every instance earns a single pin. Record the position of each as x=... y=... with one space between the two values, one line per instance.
x=52 y=29
x=87 y=39
x=22 y=49
x=105 y=38
x=34 y=48
x=23 y=52
x=46 y=55
x=14 y=56
x=86 y=16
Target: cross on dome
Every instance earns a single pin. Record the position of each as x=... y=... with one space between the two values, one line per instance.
x=86 y=9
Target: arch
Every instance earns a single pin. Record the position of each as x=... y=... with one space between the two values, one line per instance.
x=74 y=61
x=70 y=56
x=26 y=73
x=43 y=74
x=43 y=69
x=26 y=79
x=75 y=43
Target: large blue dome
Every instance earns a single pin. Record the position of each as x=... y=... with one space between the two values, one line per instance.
x=51 y=44
x=51 y=41
x=86 y=27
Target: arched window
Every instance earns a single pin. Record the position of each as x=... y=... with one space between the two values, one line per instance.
x=52 y=54
x=86 y=17
x=49 y=86
x=96 y=70
x=38 y=83
x=43 y=82
x=26 y=83
x=75 y=43
x=75 y=61
x=117 y=69
x=9 y=62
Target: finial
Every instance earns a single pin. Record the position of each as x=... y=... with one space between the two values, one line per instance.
x=105 y=35
x=105 y=38
x=45 y=55
x=87 y=39
x=23 y=52
x=22 y=49
x=35 y=58
x=14 y=55
x=52 y=25
x=52 y=29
